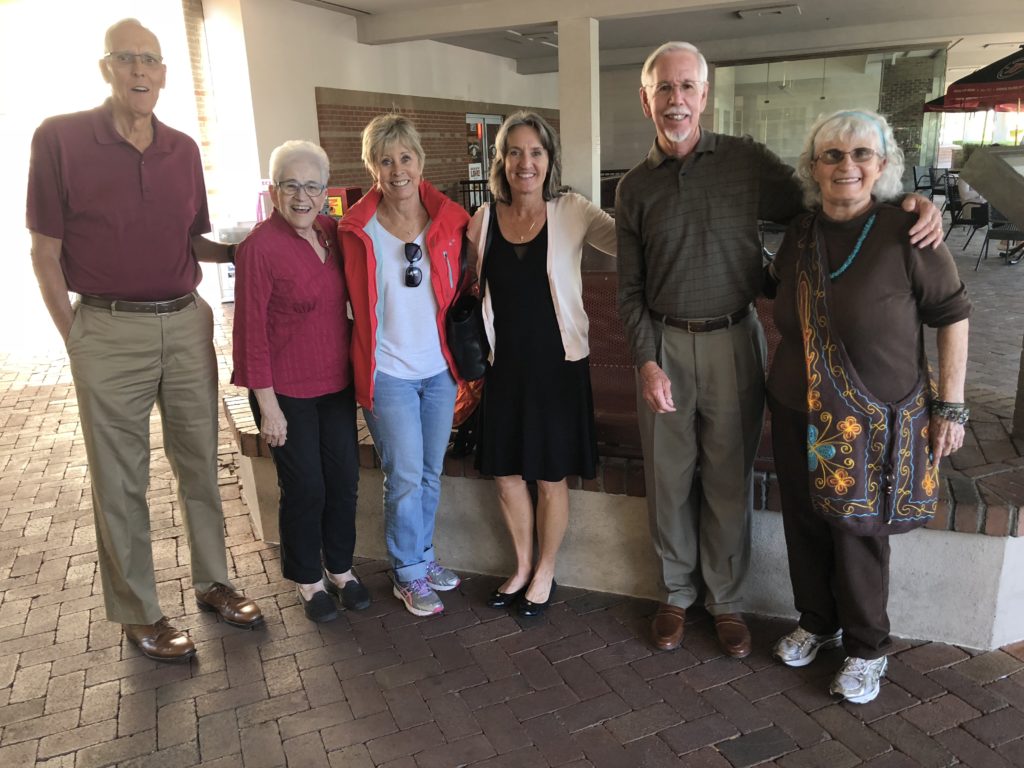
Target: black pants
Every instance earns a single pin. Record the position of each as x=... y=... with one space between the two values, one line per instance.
x=839 y=580
x=318 y=473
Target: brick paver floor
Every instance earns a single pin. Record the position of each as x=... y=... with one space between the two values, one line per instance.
x=578 y=687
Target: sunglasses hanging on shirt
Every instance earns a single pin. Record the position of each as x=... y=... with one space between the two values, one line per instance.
x=413 y=274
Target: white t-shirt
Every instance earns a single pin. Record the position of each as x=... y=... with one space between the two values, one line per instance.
x=408 y=346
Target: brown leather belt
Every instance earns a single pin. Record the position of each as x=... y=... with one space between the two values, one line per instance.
x=143 y=307
x=702 y=326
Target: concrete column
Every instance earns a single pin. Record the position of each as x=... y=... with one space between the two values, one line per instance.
x=580 y=106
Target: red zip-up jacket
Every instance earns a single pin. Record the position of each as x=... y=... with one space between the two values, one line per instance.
x=445 y=239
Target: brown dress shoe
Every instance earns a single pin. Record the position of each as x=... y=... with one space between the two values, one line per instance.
x=236 y=609
x=733 y=635
x=160 y=641
x=667 y=627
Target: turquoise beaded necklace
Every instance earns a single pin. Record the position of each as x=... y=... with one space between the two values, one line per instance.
x=856 y=249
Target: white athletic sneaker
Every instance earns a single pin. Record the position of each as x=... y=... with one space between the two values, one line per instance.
x=799 y=647
x=859 y=679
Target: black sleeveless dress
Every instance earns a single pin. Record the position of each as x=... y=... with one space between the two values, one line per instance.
x=537 y=414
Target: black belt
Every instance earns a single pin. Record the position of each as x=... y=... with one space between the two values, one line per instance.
x=702 y=326
x=143 y=307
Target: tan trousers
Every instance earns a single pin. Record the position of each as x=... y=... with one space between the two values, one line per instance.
x=122 y=363
x=703 y=529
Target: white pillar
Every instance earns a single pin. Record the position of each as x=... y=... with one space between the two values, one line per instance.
x=580 y=106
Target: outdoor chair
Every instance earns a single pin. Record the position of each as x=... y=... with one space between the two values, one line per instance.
x=922 y=180
x=974 y=215
x=1000 y=228
x=938 y=179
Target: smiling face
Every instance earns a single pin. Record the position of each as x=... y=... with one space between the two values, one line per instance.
x=299 y=210
x=135 y=86
x=674 y=96
x=398 y=171
x=526 y=162
x=846 y=186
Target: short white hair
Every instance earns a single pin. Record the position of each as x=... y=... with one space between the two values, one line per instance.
x=847 y=124
x=294 y=150
x=652 y=60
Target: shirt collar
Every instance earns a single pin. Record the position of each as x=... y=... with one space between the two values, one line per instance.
x=708 y=142
x=106 y=133
x=281 y=224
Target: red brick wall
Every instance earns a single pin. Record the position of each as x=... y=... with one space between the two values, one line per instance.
x=195 y=30
x=342 y=115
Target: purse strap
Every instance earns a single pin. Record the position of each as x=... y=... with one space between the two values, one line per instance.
x=480 y=279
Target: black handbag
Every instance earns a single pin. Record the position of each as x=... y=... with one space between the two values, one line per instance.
x=464 y=324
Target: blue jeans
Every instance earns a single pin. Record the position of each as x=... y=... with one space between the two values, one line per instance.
x=411 y=424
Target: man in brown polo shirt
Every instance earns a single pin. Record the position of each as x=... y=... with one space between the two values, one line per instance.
x=117 y=210
x=689 y=261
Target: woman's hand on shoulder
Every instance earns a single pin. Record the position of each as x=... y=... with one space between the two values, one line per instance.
x=927 y=230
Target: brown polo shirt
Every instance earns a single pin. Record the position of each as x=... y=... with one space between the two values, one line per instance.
x=688 y=244
x=877 y=305
x=125 y=218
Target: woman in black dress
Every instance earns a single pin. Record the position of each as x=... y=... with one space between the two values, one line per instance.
x=537 y=421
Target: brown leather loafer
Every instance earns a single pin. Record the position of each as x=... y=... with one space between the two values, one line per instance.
x=160 y=641
x=733 y=635
x=236 y=609
x=667 y=627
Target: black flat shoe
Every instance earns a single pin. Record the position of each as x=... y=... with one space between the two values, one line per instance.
x=499 y=599
x=353 y=596
x=529 y=608
x=319 y=608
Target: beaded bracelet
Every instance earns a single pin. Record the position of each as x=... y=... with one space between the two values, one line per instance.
x=958 y=413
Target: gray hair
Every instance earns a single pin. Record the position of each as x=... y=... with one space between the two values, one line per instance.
x=385 y=130
x=549 y=140
x=661 y=50
x=862 y=124
x=108 y=37
x=290 y=151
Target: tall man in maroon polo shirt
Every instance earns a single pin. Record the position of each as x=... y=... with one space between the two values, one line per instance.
x=117 y=210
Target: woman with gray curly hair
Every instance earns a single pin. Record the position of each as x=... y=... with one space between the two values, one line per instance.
x=851 y=296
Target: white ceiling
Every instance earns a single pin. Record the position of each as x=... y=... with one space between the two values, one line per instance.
x=975 y=33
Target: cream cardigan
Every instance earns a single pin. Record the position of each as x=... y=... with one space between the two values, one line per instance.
x=572 y=221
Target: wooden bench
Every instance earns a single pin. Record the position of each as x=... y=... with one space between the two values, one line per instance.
x=255 y=468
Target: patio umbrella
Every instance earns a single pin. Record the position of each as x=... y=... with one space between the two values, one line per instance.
x=945 y=104
x=999 y=86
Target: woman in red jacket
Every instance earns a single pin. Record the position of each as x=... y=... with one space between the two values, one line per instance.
x=401 y=246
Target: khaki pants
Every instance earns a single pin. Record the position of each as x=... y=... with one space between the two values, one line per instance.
x=122 y=363
x=718 y=389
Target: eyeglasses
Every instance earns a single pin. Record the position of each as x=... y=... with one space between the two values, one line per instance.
x=291 y=188
x=687 y=87
x=413 y=274
x=127 y=58
x=858 y=155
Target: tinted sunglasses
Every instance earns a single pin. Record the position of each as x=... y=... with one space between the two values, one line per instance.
x=858 y=155
x=413 y=274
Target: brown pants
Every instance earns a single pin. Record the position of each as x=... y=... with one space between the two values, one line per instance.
x=839 y=580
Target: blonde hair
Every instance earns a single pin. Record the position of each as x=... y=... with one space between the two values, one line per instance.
x=385 y=130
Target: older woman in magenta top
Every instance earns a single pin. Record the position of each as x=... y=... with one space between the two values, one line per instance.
x=290 y=348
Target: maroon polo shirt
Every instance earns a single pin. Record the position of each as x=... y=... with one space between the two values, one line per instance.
x=125 y=218
x=291 y=327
